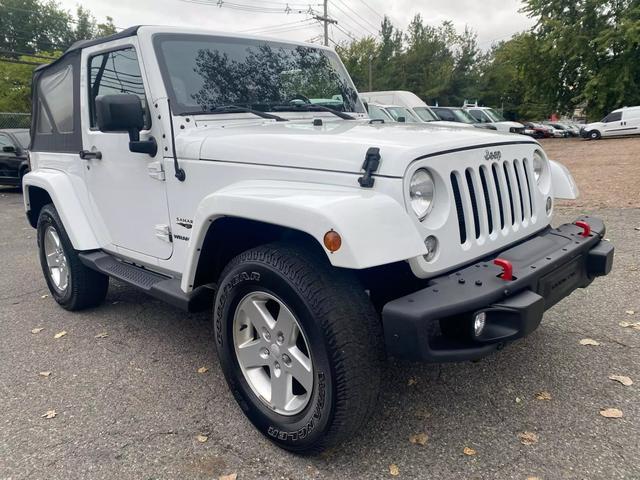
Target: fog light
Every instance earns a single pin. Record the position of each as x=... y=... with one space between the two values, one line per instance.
x=431 y=243
x=549 y=205
x=479 y=321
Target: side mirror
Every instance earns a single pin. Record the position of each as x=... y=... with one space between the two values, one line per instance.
x=9 y=149
x=124 y=113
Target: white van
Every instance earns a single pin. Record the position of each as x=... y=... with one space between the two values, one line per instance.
x=489 y=116
x=411 y=102
x=623 y=121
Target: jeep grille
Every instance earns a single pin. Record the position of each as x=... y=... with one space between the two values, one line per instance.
x=492 y=197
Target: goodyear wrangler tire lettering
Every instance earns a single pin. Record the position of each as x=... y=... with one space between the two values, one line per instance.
x=343 y=390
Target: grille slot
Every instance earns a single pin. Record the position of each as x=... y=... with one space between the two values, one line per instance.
x=492 y=198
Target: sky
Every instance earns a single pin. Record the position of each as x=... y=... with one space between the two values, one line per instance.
x=492 y=20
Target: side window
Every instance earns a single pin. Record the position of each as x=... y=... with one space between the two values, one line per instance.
x=613 y=117
x=446 y=115
x=116 y=72
x=56 y=102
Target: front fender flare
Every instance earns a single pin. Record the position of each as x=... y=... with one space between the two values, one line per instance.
x=60 y=188
x=564 y=186
x=375 y=229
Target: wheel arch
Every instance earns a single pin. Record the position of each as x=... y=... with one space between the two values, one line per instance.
x=44 y=187
x=375 y=228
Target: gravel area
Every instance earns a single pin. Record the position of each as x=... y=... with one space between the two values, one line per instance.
x=132 y=403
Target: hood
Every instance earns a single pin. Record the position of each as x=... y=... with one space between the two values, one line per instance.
x=511 y=124
x=338 y=146
x=444 y=123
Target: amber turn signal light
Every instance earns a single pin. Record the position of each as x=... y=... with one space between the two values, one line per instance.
x=332 y=241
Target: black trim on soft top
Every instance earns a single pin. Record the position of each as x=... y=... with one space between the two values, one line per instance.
x=80 y=44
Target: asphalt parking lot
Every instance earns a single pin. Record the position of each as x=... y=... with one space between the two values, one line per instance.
x=130 y=402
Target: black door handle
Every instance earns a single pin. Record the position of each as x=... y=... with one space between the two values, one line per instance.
x=88 y=155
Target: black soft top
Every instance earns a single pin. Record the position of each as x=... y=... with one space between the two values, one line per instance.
x=80 y=44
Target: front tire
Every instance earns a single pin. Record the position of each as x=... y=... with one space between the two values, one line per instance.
x=300 y=346
x=73 y=285
x=594 y=135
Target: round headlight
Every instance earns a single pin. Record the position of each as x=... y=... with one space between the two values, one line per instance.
x=421 y=191
x=538 y=165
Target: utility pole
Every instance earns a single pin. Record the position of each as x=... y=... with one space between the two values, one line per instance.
x=326 y=20
x=370 y=73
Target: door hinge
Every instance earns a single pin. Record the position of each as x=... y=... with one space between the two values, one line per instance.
x=163 y=232
x=155 y=171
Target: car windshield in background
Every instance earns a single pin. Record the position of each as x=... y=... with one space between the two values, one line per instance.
x=205 y=72
x=495 y=116
x=23 y=138
x=397 y=112
x=463 y=116
x=425 y=114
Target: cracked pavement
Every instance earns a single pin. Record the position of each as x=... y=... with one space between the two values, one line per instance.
x=130 y=405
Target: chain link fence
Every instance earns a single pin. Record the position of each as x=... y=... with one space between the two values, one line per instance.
x=15 y=120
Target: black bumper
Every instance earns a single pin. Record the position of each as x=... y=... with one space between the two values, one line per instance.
x=435 y=324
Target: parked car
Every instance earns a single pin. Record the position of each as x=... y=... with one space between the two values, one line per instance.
x=400 y=114
x=14 y=164
x=320 y=241
x=378 y=112
x=566 y=129
x=454 y=114
x=537 y=130
x=489 y=116
x=556 y=132
x=410 y=101
x=623 y=121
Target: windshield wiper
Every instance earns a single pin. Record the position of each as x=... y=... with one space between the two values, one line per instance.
x=236 y=109
x=306 y=107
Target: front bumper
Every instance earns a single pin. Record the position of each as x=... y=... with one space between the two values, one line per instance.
x=435 y=324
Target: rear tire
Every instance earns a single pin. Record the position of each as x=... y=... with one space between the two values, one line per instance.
x=73 y=285
x=341 y=334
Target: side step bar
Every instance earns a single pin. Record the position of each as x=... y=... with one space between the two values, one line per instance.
x=158 y=286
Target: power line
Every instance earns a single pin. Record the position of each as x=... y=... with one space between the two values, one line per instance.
x=370 y=8
x=255 y=29
x=21 y=62
x=251 y=8
x=69 y=16
x=348 y=34
x=375 y=27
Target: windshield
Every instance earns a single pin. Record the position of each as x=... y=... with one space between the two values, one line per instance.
x=23 y=138
x=204 y=72
x=463 y=116
x=397 y=112
x=377 y=113
x=495 y=116
x=425 y=114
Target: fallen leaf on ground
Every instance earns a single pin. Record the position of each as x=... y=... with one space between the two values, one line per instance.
x=60 y=334
x=412 y=381
x=231 y=476
x=102 y=335
x=423 y=414
x=611 y=413
x=202 y=438
x=624 y=324
x=44 y=374
x=394 y=470
x=203 y=370
x=44 y=296
x=49 y=414
x=630 y=312
x=469 y=451
x=37 y=330
x=419 y=439
x=518 y=400
x=528 y=438
x=534 y=478
x=543 y=395
x=589 y=341
x=626 y=381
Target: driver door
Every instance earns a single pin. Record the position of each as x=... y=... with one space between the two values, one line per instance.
x=127 y=191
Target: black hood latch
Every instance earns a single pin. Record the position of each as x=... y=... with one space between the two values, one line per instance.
x=370 y=165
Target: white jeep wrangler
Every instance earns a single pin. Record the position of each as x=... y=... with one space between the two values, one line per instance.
x=209 y=169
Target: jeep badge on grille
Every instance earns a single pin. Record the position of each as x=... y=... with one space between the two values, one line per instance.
x=496 y=155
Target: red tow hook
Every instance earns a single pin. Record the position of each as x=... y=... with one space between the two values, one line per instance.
x=586 y=228
x=507 y=268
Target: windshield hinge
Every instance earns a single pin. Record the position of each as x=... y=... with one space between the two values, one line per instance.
x=154 y=169
x=370 y=165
